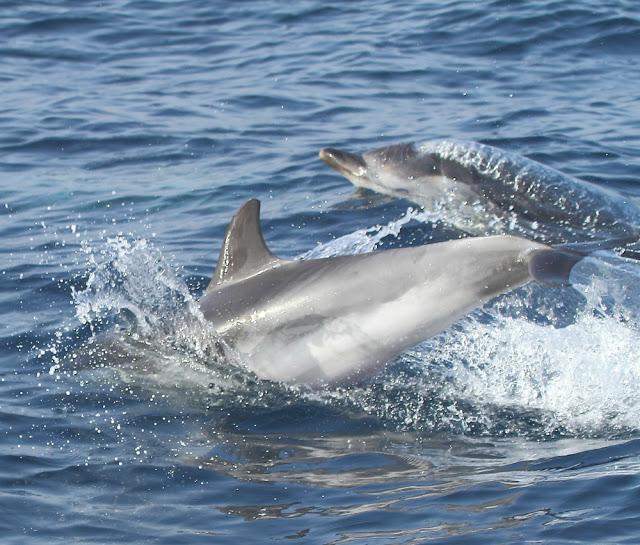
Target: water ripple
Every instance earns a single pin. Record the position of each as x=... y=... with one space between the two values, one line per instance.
x=131 y=131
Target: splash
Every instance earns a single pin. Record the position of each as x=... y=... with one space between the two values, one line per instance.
x=146 y=324
x=131 y=276
x=497 y=372
x=582 y=378
x=367 y=240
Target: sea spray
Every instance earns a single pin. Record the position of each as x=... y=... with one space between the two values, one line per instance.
x=495 y=372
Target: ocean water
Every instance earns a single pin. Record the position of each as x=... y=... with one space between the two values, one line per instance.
x=130 y=133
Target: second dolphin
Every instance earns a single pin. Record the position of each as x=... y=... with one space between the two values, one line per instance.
x=481 y=189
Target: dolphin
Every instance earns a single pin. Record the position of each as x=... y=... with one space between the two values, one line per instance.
x=339 y=319
x=481 y=189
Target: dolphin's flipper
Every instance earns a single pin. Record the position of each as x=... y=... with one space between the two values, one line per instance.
x=244 y=252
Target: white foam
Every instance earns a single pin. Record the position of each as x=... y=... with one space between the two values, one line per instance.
x=586 y=374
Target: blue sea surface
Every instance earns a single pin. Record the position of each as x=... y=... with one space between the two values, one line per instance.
x=131 y=131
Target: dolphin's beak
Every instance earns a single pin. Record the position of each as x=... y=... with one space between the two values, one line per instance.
x=347 y=164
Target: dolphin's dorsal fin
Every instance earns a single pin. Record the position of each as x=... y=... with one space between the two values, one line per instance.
x=244 y=252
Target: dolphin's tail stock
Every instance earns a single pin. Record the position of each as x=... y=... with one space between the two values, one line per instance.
x=552 y=266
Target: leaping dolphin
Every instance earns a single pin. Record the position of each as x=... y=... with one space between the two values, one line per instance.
x=484 y=190
x=333 y=320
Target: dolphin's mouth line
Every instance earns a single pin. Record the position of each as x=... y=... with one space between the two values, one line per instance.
x=345 y=163
x=355 y=169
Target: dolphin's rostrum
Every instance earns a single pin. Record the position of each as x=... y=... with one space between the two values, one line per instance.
x=337 y=319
